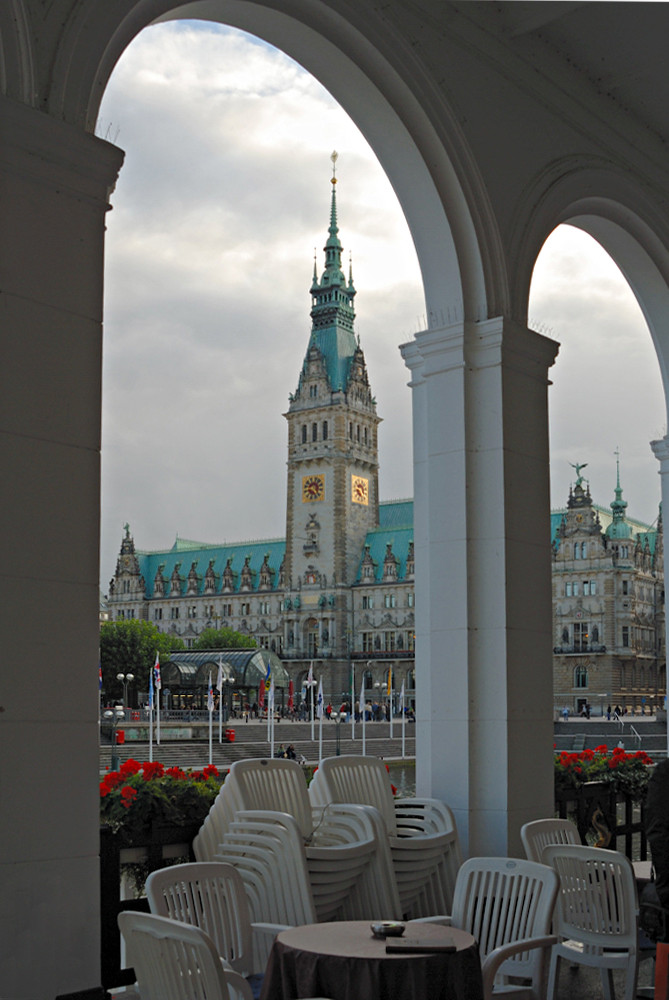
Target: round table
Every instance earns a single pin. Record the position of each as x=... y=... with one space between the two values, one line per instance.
x=344 y=961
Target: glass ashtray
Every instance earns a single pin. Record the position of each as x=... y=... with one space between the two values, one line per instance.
x=387 y=928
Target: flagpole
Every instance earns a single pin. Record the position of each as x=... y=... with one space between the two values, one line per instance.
x=352 y=701
x=159 y=685
x=320 y=734
x=151 y=715
x=404 y=720
x=219 y=685
x=270 y=709
x=210 y=707
x=390 y=687
x=312 y=685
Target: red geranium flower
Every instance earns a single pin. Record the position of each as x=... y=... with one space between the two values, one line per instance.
x=129 y=767
x=128 y=795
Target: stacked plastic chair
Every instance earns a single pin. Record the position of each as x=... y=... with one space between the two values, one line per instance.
x=542 y=832
x=299 y=864
x=212 y=896
x=420 y=833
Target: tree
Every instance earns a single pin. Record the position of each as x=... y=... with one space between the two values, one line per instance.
x=223 y=638
x=130 y=647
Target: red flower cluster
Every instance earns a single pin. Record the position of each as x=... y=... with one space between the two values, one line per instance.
x=128 y=795
x=207 y=772
x=627 y=772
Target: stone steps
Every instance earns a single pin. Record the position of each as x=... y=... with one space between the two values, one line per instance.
x=251 y=741
x=590 y=733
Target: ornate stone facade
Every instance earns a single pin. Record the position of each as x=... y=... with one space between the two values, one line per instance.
x=608 y=607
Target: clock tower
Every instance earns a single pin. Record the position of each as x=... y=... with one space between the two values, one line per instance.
x=332 y=466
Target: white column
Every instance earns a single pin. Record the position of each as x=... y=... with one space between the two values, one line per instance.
x=483 y=592
x=661 y=452
x=54 y=186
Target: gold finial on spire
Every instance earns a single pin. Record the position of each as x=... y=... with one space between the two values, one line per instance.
x=334 y=157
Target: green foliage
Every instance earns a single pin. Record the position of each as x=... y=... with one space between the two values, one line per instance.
x=138 y=796
x=130 y=647
x=624 y=772
x=139 y=799
x=223 y=638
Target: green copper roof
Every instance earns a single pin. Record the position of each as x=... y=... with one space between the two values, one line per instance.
x=637 y=527
x=186 y=553
x=332 y=313
x=376 y=542
x=619 y=527
x=396 y=514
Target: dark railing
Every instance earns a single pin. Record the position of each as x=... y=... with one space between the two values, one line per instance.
x=385 y=654
x=580 y=647
x=154 y=849
x=610 y=819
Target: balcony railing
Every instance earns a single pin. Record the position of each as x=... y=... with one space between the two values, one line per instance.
x=598 y=812
x=580 y=647
x=385 y=654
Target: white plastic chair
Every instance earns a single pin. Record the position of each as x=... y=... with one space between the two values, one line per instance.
x=211 y=895
x=507 y=904
x=174 y=961
x=420 y=832
x=348 y=864
x=542 y=832
x=596 y=915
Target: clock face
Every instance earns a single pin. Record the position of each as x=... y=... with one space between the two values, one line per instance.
x=313 y=488
x=360 y=490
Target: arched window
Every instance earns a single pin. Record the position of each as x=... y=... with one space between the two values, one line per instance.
x=304 y=433
x=325 y=430
x=581 y=677
x=314 y=432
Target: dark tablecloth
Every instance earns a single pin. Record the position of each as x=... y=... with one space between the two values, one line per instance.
x=343 y=961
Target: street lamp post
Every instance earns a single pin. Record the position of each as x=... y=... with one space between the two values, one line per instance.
x=114 y=716
x=125 y=679
x=228 y=707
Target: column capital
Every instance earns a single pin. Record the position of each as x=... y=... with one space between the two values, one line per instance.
x=499 y=340
x=46 y=150
x=438 y=349
x=661 y=451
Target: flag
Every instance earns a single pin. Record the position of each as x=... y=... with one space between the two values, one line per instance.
x=319 y=703
x=150 y=690
x=402 y=695
x=210 y=696
x=100 y=676
x=261 y=696
x=219 y=679
x=156 y=671
x=390 y=682
x=310 y=675
x=291 y=699
x=362 y=697
x=270 y=699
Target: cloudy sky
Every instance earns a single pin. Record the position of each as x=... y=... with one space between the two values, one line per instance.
x=222 y=200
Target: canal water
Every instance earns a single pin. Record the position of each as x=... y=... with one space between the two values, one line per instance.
x=403 y=777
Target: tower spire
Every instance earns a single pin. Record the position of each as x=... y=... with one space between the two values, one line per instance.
x=332 y=312
x=618 y=527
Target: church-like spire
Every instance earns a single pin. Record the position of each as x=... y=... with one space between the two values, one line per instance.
x=332 y=313
x=618 y=527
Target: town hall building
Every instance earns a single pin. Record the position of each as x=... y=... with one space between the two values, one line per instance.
x=338 y=590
